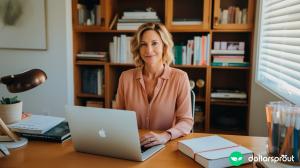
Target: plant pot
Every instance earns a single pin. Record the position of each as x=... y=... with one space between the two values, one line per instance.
x=11 y=113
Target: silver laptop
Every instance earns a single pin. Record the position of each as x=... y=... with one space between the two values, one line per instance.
x=107 y=132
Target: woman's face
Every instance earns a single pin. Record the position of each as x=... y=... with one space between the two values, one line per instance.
x=151 y=48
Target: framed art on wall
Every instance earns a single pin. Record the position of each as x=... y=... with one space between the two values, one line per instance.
x=23 y=24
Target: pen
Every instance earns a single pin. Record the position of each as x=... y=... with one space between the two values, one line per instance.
x=296 y=134
x=275 y=130
x=289 y=123
x=269 y=126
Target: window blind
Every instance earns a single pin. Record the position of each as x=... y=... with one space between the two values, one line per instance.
x=278 y=66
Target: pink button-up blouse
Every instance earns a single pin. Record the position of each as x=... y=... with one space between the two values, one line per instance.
x=170 y=108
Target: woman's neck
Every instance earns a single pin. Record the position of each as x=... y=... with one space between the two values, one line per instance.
x=153 y=71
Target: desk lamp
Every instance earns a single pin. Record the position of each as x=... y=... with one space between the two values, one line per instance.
x=16 y=84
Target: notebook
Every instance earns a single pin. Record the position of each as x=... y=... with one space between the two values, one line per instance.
x=107 y=132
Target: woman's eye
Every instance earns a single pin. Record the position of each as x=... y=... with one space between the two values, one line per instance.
x=155 y=43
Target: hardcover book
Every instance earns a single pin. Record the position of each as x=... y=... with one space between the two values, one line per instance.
x=59 y=133
x=212 y=151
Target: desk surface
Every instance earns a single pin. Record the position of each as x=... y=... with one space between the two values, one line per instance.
x=54 y=155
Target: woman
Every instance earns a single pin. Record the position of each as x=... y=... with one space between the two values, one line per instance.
x=159 y=94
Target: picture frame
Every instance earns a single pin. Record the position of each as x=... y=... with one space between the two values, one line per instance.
x=23 y=24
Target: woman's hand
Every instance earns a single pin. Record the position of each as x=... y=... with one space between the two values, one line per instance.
x=152 y=139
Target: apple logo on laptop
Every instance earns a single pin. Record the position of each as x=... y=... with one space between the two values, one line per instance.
x=102 y=133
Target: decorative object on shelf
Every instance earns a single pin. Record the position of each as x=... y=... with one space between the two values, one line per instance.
x=15 y=84
x=25 y=28
x=192 y=84
x=89 y=12
x=200 y=83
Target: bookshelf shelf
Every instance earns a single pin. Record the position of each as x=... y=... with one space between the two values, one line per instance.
x=228 y=103
x=121 y=64
x=185 y=21
x=181 y=29
x=85 y=62
x=85 y=95
x=100 y=29
x=233 y=30
x=231 y=132
x=90 y=29
x=233 y=68
x=199 y=99
x=190 y=66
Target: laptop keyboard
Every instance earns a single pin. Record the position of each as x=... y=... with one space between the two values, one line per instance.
x=143 y=148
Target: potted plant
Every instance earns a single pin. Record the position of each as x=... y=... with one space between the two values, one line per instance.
x=10 y=109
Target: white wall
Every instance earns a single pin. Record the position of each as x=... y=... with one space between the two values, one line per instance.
x=259 y=95
x=56 y=61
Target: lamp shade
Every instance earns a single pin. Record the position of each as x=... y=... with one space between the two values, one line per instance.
x=24 y=81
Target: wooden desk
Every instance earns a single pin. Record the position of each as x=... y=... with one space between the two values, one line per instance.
x=53 y=155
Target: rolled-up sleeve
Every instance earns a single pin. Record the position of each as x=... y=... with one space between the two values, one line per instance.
x=183 y=112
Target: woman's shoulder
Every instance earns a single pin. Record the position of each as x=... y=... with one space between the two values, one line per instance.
x=129 y=73
x=177 y=72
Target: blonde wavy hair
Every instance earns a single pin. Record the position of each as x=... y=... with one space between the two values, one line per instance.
x=164 y=35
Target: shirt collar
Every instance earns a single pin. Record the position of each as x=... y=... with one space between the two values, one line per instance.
x=166 y=74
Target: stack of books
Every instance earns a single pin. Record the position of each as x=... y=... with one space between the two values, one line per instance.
x=40 y=127
x=215 y=151
x=229 y=54
x=195 y=52
x=233 y=15
x=93 y=55
x=131 y=20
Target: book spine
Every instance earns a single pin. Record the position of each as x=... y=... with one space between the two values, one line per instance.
x=41 y=137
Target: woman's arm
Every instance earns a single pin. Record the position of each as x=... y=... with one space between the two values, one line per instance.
x=183 y=111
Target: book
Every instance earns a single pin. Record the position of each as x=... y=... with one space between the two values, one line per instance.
x=113 y=22
x=102 y=56
x=195 y=145
x=59 y=133
x=36 y=124
x=228 y=94
x=230 y=64
x=216 y=158
x=239 y=52
x=186 y=21
x=212 y=151
x=228 y=58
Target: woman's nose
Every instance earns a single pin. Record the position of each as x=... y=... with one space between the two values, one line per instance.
x=149 y=49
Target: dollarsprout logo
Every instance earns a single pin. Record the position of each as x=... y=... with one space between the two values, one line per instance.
x=236 y=158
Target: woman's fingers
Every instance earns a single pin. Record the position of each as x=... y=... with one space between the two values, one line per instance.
x=147 y=140
x=153 y=143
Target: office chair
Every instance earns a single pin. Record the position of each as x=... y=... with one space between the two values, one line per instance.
x=193 y=105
